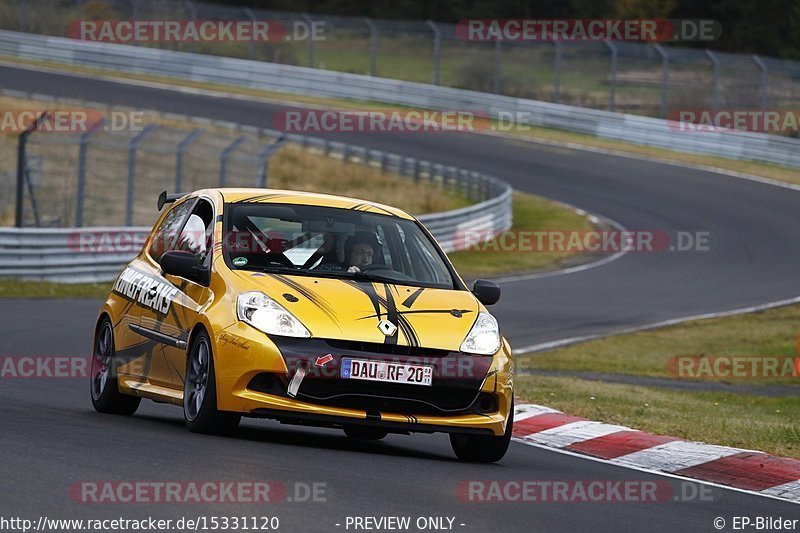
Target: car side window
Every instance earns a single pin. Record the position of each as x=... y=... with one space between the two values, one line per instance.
x=165 y=235
x=197 y=233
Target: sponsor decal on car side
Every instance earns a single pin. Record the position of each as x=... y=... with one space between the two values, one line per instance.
x=146 y=290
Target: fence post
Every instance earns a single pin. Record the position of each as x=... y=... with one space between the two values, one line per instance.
x=664 y=77
x=497 y=66
x=264 y=158
x=252 y=47
x=437 y=51
x=715 y=101
x=22 y=161
x=132 y=148
x=373 y=45
x=81 y=190
x=764 y=88
x=557 y=72
x=223 y=159
x=308 y=22
x=612 y=91
x=180 y=151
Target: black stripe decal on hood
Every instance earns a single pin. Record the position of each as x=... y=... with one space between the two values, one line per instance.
x=316 y=299
x=408 y=302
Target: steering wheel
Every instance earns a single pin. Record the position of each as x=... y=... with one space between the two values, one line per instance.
x=280 y=258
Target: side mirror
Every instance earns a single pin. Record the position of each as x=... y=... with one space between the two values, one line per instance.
x=185 y=265
x=487 y=292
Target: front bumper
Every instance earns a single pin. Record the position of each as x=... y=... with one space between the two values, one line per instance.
x=470 y=394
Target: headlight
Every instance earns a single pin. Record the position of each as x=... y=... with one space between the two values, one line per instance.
x=267 y=315
x=484 y=337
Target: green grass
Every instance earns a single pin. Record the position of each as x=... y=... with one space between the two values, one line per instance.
x=647 y=353
x=531 y=213
x=738 y=420
x=744 y=420
x=43 y=289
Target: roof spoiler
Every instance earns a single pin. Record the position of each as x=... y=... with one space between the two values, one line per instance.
x=165 y=198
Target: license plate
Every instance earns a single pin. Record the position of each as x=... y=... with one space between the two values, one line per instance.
x=370 y=370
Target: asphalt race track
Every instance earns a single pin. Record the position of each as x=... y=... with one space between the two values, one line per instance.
x=51 y=438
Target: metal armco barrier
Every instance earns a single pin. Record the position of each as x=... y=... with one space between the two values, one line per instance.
x=308 y=81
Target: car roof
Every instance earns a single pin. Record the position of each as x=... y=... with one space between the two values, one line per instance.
x=281 y=196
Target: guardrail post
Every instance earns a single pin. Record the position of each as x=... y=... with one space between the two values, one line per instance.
x=308 y=22
x=764 y=87
x=179 y=153
x=437 y=51
x=612 y=91
x=264 y=158
x=557 y=72
x=715 y=101
x=497 y=72
x=22 y=162
x=132 y=149
x=373 y=45
x=223 y=159
x=664 y=77
x=81 y=189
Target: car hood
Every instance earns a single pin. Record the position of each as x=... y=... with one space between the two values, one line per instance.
x=353 y=310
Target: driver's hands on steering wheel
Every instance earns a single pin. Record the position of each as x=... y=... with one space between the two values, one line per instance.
x=353 y=269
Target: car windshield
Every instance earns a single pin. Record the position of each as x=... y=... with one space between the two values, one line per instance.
x=330 y=242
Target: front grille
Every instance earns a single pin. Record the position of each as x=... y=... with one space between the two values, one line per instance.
x=452 y=392
x=390 y=349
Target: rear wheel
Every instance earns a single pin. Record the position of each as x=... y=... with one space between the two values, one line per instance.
x=106 y=397
x=483 y=448
x=200 y=392
x=364 y=433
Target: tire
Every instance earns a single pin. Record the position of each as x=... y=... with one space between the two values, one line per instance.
x=103 y=384
x=200 y=392
x=483 y=448
x=364 y=433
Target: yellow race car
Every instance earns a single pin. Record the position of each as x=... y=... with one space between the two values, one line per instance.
x=309 y=309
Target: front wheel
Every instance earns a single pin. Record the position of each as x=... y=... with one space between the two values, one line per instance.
x=483 y=448
x=106 y=397
x=200 y=392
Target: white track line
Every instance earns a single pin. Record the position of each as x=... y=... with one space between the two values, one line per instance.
x=558 y=343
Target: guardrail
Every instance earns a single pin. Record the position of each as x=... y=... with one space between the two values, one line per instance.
x=639 y=130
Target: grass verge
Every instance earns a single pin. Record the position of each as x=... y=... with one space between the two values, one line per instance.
x=745 y=420
x=531 y=213
x=738 y=420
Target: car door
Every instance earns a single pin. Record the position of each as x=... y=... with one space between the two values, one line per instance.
x=196 y=237
x=154 y=297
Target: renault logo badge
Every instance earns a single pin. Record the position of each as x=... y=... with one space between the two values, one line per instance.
x=387 y=328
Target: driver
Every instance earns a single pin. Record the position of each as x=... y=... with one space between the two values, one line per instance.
x=360 y=250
